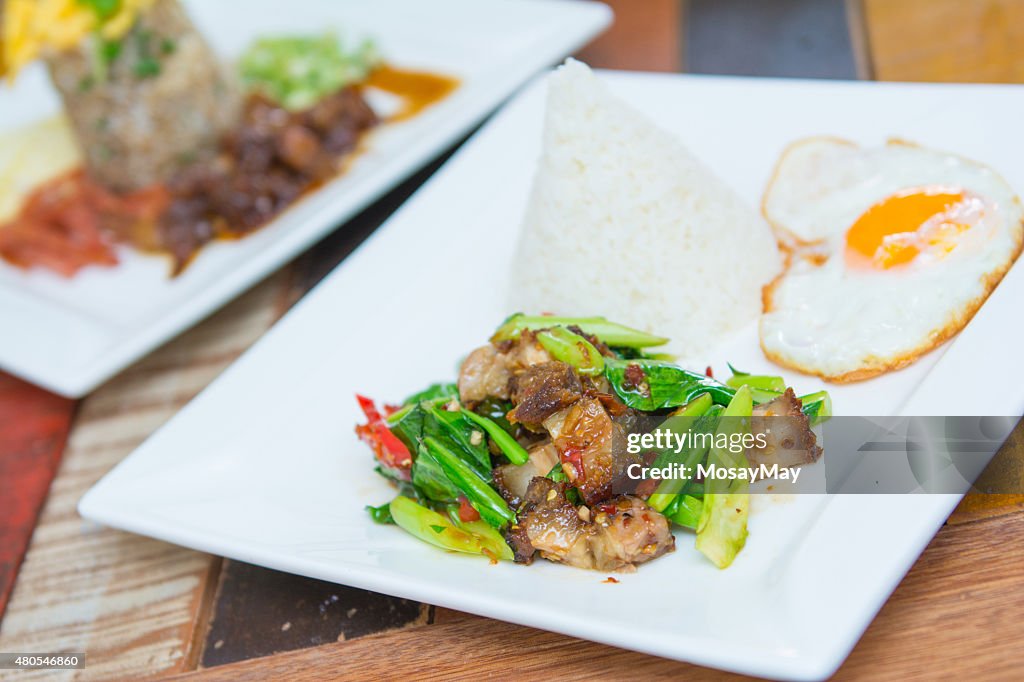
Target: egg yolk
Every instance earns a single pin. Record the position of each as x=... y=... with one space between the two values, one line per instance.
x=897 y=229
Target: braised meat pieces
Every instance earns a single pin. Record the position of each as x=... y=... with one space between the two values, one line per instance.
x=586 y=437
x=789 y=441
x=542 y=390
x=484 y=374
x=512 y=480
x=613 y=536
x=488 y=370
x=265 y=163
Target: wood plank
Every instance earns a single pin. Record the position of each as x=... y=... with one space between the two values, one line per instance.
x=34 y=426
x=964 y=589
x=646 y=36
x=979 y=506
x=956 y=614
x=469 y=649
x=259 y=612
x=1003 y=477
x=946 y=40
x=130 y=602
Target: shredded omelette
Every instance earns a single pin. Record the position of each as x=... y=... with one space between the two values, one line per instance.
x=29 y=28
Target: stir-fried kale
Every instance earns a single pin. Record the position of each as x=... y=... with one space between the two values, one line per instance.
x=439 y=449
x=610 y=333
x=652 y=385
x=430 y=419
x=722 y=525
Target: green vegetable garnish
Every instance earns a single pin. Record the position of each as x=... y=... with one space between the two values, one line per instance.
x=147 y=67
x=722 y=526
x=515 y=452
x=666 y=385
x=475 y=487
x=763 y=388
x=497 y=411
x=104 y=53
x=707 y=416
x=688 y=511
x=565 y=346
x=381 y=514
x=455 y=428
x=663 y=384
x=696 y=407
x=109 y=50
x=299 y=71
x=610 y=333
x=558 y=475
x=429 y=526
x=433 y=392
x=104 y=9
x=817 y=406
x=768 y=383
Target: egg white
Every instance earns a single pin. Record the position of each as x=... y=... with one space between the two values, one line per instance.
x=844 y=323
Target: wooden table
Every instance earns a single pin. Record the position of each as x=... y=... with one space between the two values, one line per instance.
x=140 y=607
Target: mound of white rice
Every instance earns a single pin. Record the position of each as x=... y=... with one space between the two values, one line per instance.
x=624 y=222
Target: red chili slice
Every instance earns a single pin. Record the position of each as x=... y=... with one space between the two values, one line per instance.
x=389 y=449
x=466 y=511
x=572 y=457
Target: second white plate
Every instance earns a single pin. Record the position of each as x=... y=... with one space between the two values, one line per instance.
x=70 y=335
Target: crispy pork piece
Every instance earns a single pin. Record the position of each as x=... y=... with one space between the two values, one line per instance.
x=548 y=523
x=524 y=352
x=484 y=374
x=630 y=533
x=148 y=105
x=614 y=536
x=512 y=480
x=586 y=436
x=789 y=439
x=540 y=391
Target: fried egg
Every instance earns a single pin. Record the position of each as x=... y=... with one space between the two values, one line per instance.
x=891 y=251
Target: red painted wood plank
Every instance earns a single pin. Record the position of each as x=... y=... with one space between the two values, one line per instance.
x=34 y=427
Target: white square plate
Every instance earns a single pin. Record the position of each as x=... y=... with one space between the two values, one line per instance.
x=70 y=335
x=264 y=466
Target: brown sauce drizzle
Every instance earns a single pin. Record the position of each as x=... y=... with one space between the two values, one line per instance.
x=417 y=89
